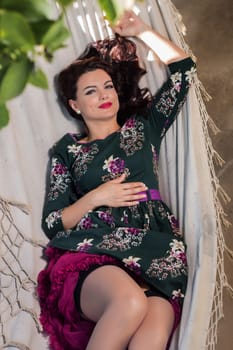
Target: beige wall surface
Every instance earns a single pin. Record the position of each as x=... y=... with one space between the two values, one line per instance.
x=209 y=26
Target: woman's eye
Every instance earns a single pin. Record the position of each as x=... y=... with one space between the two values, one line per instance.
x=109 y=86
x=89 y=92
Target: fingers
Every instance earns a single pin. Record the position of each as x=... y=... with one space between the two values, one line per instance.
x=118 y=193
x=126 y=25
x=130 y=187
x=131 y=193
x=118 y=28
x=134 y=187
x=119 y=179
x=130 y=200
x=128 y=15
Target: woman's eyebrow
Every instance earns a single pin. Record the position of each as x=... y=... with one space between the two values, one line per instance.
x=89 y=86
x=94 y=86
x=108 y=81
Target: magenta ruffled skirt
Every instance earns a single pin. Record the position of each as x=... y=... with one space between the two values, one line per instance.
x=56 y=283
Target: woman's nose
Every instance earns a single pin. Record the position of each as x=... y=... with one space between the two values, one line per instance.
x=103 y=95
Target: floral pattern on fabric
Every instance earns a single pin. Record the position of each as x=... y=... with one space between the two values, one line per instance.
x=162 y=211
x=134 y=211
x=174 y=224
x=132 y=263
x=84 y=245
x=64 y=234
x=59 y=179
x=177 y=295
x=173 y=264
x=86 y=223
x=189 y=74
x=132 y=136
x=151 y=208
x=169 y=98
x=115 y=167
x=146 y=225
x=53 y=218
x=155 y=160
x=84 y=154
x=167 y=101
x=106 y=217
x=176 y=78
x=125 y=217
x=123 y=238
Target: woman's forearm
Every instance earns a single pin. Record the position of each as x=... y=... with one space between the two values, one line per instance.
x=113 y=193
x=73 y=214
x=132 y=25
x=165 y=49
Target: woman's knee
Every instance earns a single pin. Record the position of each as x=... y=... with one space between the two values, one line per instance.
x=131 y=305
x=109 y=288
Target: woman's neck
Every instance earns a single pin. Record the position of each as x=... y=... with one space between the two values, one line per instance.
x=101 y=131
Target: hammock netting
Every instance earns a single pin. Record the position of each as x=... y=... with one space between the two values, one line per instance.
x=187 y=180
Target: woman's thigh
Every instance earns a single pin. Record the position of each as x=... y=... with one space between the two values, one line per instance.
x=106 y=285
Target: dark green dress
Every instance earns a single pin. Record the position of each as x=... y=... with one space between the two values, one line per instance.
x=145 y=237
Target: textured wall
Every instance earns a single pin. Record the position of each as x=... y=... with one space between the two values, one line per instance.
x=209 y=26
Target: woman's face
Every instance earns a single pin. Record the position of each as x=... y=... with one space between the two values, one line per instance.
x=96 y=97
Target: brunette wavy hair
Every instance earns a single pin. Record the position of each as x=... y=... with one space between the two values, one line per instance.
x=117 y=56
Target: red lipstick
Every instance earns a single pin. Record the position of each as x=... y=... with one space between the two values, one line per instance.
x=106 y=105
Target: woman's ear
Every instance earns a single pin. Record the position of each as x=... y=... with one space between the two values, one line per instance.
x=73 y=104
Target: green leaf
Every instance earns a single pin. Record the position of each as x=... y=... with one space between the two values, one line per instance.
x=4 y=116
x=108 y=7
x=65 y=2
x=5 y=60
x=115 y=8
x=15 y=31
x=15 y=79
x=33 y=10
x=38 y=78
x=40 y=28
x=55 y=37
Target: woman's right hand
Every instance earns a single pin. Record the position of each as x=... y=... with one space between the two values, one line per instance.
x=114 y=193
x=117 y=193
x=130 y=24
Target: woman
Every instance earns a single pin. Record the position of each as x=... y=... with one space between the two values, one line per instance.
x=117 y=269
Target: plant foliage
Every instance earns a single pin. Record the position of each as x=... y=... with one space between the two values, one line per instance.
x=114 y=8
x=28 y=30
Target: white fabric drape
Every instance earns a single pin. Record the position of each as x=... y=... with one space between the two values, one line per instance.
x=186 y=185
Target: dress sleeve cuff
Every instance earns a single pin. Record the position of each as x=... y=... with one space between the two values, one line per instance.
x=53 y=223
x=182 y=65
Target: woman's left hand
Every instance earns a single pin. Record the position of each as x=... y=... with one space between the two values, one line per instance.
x=130 y=25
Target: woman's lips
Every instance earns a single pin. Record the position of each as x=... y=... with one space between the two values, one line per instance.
x=105 y=105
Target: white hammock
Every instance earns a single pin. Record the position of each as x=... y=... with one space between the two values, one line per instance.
x=188 y=184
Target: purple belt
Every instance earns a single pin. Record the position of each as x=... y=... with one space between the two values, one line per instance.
x=151 y=195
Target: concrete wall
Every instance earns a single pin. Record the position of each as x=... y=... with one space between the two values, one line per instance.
x=209 y=26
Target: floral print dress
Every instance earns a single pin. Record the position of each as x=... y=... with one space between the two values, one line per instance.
x=144 y=238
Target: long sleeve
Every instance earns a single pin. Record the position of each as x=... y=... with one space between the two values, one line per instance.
x=168 y=101
x=61 y=193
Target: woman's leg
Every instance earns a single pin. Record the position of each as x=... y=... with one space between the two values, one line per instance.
x=155 y=330
x=110 y=297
